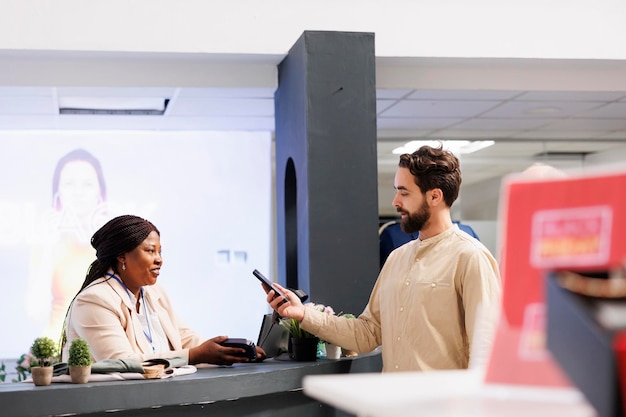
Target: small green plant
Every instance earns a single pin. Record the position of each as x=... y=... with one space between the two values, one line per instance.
x=44 y=351
x=294 y=329
x=3 y=372
x=80 y=355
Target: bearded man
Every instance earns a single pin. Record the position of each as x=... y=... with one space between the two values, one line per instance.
x=436 y=301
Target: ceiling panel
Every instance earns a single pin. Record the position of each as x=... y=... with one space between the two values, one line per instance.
x=611 y=110
x=615 y=135
x=435 y=109
x=510 y=124
x=415 y=123
x=391 y=93
x=540 y=109
x=601 y=96
x=560 y=135
x=382 y=105
x=470 y=95
x=605 y=125
x=479 y=134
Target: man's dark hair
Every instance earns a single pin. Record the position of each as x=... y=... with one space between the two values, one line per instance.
x=434 y=168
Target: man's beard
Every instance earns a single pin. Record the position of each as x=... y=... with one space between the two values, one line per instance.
x=414 y=222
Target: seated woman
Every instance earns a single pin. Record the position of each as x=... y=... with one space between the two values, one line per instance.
x=123 y=313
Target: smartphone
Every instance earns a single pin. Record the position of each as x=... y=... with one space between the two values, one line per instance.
x=268 y=283
x=246 y=344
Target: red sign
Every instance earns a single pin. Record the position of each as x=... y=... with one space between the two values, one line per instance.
x=549 y=224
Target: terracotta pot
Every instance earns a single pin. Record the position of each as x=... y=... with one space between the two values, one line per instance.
x=42 y=375
x=304 y=349
x=80 y=374
x=333 y=351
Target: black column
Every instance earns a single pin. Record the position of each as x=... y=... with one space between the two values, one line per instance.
x=326 y=172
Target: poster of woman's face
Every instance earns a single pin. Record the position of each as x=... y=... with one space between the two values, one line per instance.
x=209 y=193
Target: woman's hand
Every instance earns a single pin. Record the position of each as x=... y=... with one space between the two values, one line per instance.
x=290 y=308
x=213 y=352
x=260 y=354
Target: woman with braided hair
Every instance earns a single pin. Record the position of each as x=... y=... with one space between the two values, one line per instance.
x=123 y=313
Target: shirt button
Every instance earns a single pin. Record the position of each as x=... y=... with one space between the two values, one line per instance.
x=401 y=308
x=433 y=285
x=398 y=338
x=407 y=283
x=397 y=367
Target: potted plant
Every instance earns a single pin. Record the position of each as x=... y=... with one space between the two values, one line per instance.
x=79 y=361
x=43 y=351
x=302 y=344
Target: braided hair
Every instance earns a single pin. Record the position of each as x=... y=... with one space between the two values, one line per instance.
x=119 y=235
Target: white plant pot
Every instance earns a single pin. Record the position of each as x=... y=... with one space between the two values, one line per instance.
x=333 y=351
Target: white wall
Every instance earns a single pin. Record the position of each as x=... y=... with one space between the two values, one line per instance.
x=403 y=28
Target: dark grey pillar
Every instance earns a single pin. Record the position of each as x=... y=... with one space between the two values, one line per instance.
x=326 y=172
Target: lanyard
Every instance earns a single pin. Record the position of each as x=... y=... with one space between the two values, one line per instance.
x=145 y=311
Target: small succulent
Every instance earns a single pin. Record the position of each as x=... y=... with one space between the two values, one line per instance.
x=80 y=355
x=44 y=351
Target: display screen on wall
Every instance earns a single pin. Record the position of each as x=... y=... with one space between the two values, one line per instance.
x=209 y=194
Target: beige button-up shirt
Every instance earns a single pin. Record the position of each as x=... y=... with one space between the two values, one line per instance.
x=435 y=302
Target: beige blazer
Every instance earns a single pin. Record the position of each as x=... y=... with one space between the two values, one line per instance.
x=104 y=315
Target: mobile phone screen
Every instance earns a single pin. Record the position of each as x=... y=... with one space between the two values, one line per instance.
x=269 y=283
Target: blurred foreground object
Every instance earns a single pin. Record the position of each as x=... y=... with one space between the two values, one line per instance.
x=552 y=224
x=587 y=335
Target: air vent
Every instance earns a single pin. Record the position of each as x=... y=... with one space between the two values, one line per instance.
x=129 y=106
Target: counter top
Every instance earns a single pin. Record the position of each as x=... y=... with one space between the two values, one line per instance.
x=208 y=385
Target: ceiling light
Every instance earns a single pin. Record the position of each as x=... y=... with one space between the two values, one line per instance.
x=457 y=147
x=113 y=105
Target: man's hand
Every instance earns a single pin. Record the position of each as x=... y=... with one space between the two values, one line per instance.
x=292 y=307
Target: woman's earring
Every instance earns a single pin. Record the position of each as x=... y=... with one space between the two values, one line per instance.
x=123 y=266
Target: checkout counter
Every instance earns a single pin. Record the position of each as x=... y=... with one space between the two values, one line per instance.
x=272 y=387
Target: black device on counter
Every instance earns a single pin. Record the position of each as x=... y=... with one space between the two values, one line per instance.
x=246 y=344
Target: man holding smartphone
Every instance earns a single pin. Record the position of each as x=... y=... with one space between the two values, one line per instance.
x=436 y=300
